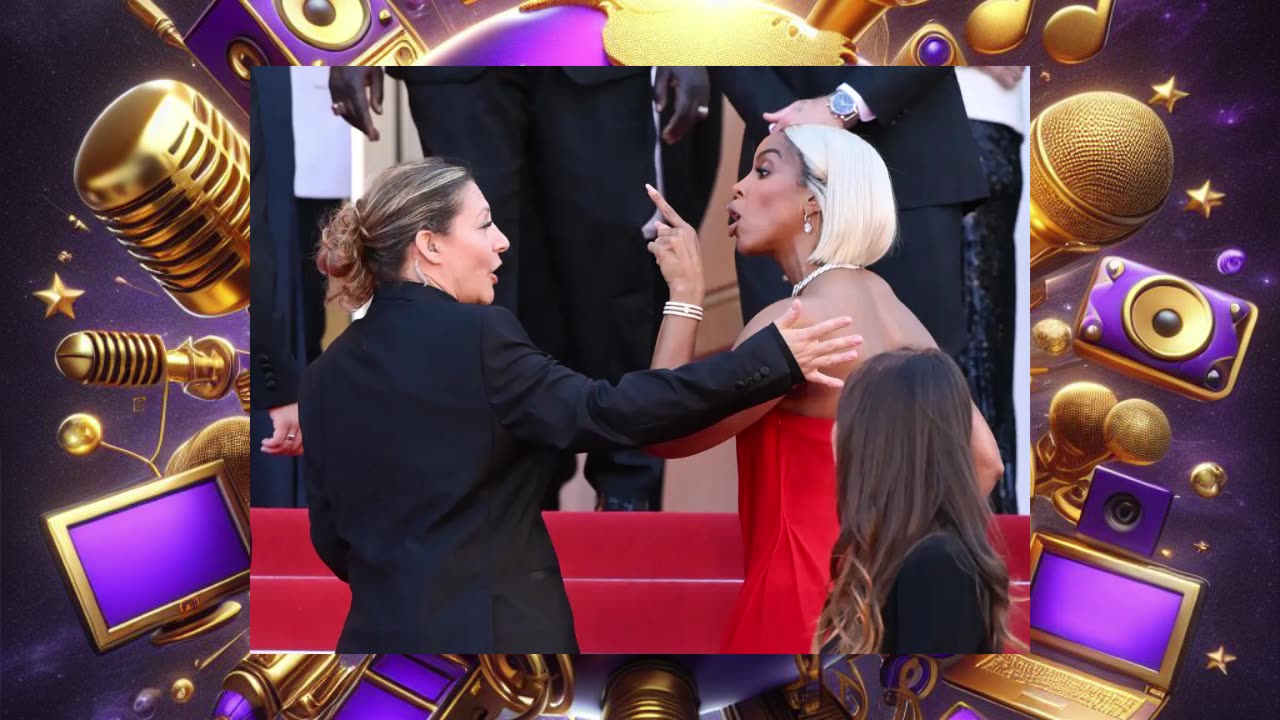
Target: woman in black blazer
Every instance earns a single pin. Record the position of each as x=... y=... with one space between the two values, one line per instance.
x=432 y=422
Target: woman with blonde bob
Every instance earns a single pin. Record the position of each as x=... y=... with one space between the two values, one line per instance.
x=819 y=201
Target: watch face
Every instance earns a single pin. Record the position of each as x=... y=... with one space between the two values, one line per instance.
x=842 y=104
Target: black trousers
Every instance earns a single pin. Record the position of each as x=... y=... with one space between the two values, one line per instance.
x=925 y=270
x=563 y=167
x=990 y=294
x=311 y=212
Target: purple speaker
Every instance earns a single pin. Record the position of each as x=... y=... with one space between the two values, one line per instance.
x=235 y=35
x=1124 y=512
x=1164 y=329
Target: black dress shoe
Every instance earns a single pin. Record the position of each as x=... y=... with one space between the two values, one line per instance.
x=612 y=504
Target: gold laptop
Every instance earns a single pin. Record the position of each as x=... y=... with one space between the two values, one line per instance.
x=1108 y=636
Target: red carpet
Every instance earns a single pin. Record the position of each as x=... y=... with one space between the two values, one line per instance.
x=638 y=582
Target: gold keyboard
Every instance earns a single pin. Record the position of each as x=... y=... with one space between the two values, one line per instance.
x=1093 y=695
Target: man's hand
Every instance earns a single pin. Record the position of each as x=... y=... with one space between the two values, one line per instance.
x=692 y=90
x=287 y=436
x=1007 y=75
x=353 y=91
x=812 y=111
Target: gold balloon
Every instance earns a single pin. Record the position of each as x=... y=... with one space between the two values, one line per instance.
x=182 y=690
x=1208 y=479
x=1052 y=336
x=80 y=434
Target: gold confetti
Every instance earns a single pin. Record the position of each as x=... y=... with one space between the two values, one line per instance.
x=1045 y=76
x=121 y=281
x=1166 y=94
x=65 y=257
x=1218 y=659
x=1203 y=199
x=182 y=690
x=139 y=403
x=1166 y=552
x=1201 y=547
x=58 y=298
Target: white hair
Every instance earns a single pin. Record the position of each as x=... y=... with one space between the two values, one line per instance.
x=851 y=183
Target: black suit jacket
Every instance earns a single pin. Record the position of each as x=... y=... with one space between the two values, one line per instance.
x=272 y=370
x=921 y=128
x=431 y=431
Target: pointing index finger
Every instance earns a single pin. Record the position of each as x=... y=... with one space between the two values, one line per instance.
x=664 y=207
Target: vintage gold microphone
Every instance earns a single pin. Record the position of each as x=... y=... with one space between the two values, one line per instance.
x=169 y=177
x=1101 y=167
x=206 y=368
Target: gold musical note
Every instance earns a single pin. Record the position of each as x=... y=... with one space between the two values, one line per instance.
x=1078 y=32
x=998 y=26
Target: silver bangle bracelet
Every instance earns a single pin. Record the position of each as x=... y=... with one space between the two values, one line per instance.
x=685 y=307
x=682 y=313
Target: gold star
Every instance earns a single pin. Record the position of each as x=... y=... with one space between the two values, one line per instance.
x=58 y=298
x=1166 y=552
x=1219 y=659
x=1201 y=547
x=1166 y=93
x=1203 y=199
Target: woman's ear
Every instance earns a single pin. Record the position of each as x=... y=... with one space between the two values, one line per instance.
x=812 y=206
x=428 y=246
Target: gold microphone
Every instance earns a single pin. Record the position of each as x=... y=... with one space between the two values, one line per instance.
x=242 y=389
x=1101 y=167
x=206 y=367
x=226 y=440
x=1087 y=427
x=287 y=685
x=852 y=18
x=650 y=689
x=169 y=177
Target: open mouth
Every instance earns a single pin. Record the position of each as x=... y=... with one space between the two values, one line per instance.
x=734 y=217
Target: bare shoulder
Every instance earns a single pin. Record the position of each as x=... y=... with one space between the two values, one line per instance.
x=810 y=313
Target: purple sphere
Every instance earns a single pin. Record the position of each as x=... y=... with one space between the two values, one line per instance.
x=231 y=705
x=934 y=50
x=569 y=35
x=1230 y=261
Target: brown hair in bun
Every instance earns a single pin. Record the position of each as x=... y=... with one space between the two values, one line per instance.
x=364 y=243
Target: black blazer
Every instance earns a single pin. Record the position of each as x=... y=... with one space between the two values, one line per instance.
x=272 y=368
x=921 y=128
x=431 y=427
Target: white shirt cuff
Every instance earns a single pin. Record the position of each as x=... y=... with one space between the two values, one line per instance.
x=864 y=112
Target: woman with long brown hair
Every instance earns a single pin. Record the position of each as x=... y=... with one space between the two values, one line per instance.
x=912 y=570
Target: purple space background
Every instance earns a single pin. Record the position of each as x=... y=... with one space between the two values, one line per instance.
x=67 y=60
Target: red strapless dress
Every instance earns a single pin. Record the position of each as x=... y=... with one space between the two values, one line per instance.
x=787 y=507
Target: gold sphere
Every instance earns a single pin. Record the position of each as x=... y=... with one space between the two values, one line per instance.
x=1137 y=432
x=1052 y=336
x=182 y=690
x=1208 y=479
x=80 y=434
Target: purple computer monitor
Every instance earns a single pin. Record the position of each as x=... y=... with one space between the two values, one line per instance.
x=1103 y=611
x=400 y=687
x=152 y=553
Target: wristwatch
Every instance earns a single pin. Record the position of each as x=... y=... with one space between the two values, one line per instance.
x=842 y=105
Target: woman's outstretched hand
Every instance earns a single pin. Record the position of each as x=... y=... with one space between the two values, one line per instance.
x=678 y=253
x=812 y=350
